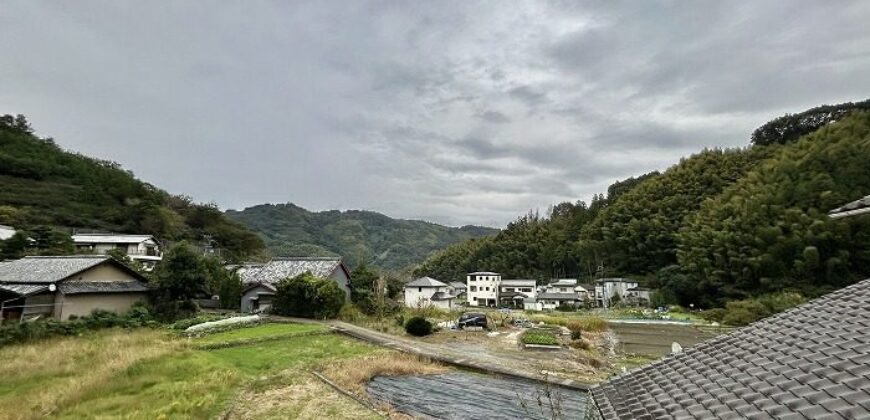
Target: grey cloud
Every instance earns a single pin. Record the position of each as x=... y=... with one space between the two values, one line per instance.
x=466 y=112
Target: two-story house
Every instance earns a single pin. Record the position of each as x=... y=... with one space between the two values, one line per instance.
x=607 y=289
x=513 y=292
x=141 y=248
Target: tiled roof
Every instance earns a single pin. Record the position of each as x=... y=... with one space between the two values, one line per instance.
x=75 y=287
x=854 y=208
x=483 y=273
x=457 y=285
x=108 y=238
x=426 y=282
x=279 y=269
x=47 y=269
x=564 y=282
x=812 y=361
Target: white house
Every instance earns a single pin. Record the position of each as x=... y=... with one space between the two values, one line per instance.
x=141 y=248
x=6 y=232
x=426 y=291
x=559 y=293
x=513 y=292
x=483 y=288
x=607 y=289
x=638 y=296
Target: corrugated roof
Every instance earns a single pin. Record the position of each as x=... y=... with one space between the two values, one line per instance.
x=75 y=287
x=47 y=269
x=279 y=269
x=442 y=296
x=856 y=207
x=426 y=282
x=23 y=289
x=107 y=238
x=812 y=361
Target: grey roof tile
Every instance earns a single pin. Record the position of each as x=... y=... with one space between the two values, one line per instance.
x=812 y=361
x=280 y=269
x=426 y=282
x=47 y=269
x=76 y=287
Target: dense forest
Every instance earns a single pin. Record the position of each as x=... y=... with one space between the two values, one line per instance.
x=358 y=236
x=718 y=226
x=44 y=188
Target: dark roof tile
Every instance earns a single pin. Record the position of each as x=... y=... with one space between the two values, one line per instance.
x=811 y=361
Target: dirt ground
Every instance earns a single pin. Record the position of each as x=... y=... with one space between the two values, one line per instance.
x=655 y=340
x=503 y=349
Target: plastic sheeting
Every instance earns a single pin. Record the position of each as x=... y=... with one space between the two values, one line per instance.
x=476 y=396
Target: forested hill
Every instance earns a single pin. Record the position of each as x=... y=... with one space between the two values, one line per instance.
x=44 y=187
x=720 y=225
x=358 y=236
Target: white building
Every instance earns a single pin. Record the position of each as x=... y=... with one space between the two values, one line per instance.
x=483 y=288
x=513 y=292
x=6 y=232
x=562 y=292
x=141 y=248
x=607 y=289
x=426 y=291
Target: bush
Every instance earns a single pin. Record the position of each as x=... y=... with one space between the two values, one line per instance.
x=308 y=297
x=714 y=315
x=418 y=326
x=137 y=316
x=744 y=312
x=350 y=313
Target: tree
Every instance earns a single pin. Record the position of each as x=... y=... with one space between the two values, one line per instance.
x=223 y=283
x=362 y=284
x=179 y=278
x=308 y=296
x=15 y=247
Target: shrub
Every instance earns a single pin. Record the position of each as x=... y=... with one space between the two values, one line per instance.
x=714 y=315
x=350 y=313
x=137 y=316
x=744 y=312
x=308 y=297
x=418 y=326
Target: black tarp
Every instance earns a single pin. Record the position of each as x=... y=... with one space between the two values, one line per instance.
x=476 y=396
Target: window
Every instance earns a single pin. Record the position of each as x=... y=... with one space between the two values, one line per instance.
x=474 y=298
x=419 y=289
x=473 y=288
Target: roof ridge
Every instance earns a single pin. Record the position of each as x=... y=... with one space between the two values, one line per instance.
x=66 y=256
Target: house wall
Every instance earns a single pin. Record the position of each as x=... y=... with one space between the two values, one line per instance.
x=481 y=288
x=247 y=303
x=84 y=304
x=342 y=280
x=420 y=297
x=103 y=272
x=42 y=303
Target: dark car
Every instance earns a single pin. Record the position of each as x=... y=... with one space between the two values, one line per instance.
x=472 y=319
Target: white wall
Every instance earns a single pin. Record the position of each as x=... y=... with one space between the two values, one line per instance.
x=420 y=297
x=482 y=287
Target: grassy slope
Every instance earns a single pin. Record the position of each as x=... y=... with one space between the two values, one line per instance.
x=290 y=230
x=153 y=374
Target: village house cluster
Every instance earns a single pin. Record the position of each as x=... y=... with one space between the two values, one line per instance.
x=489 y=289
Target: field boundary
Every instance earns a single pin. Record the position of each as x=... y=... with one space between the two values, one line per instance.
x=467 y=363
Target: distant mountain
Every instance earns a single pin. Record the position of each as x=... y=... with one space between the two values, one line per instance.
x=358 y=236
x=42 y=185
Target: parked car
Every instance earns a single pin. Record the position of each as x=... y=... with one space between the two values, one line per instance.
x=472 y=319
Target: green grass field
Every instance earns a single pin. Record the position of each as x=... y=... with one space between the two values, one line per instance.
x=262 y=331
x=152 y=374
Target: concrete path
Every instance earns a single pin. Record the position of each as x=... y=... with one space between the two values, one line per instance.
x=448 y=355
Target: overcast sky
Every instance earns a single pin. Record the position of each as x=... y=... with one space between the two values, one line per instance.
x=455 y=112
